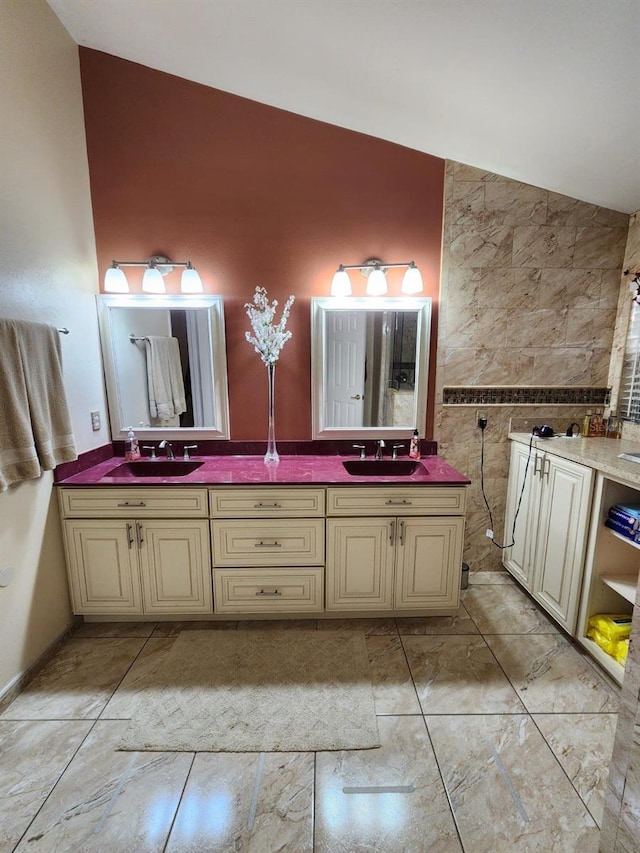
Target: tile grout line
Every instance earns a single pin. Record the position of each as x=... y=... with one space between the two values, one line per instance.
x=57 y=782
x=433 y=749
x=179 y=803
x=444 y=785
x=124 y=674
x=559 y=763
x=314 y=800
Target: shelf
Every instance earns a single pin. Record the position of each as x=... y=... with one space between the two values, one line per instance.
x=611 y=665
x=624 y=585
x=623 y=538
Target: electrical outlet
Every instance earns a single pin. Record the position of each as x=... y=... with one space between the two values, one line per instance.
x=95 y=421
x=482 y=420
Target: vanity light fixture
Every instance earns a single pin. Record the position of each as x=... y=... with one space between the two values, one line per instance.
x=374 y=271
x=156 y=267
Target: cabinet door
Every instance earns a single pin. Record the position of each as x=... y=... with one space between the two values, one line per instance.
x=175 y=566
x=428 y=563
x=562 y=534
x=523 y=468
x=360 y=558
x=103 y=567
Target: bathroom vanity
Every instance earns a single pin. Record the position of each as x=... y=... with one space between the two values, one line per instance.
x=564 y=555
x=235 y=537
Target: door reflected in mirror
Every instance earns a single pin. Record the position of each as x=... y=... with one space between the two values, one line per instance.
x=369 y=366
x=165 y=365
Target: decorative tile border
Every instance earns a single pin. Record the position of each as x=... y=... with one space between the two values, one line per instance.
x=523 y=396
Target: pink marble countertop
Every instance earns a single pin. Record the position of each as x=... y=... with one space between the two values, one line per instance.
x=251 y=470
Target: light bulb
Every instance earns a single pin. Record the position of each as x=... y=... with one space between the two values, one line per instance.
x=341 y=284
x=115 y=281
x=376 y=283
x=152 y=281
x=190 y=281
x=412 y=280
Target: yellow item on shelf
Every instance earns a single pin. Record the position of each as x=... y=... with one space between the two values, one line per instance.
x=622 y=650
x=612 y=626
x=618 y=649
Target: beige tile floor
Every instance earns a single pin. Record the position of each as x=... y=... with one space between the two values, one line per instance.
x=496 y=735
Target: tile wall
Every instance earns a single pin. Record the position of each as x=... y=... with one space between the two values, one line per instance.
x=529 y=296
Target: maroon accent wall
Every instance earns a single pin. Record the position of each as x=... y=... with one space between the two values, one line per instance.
x=252 y=195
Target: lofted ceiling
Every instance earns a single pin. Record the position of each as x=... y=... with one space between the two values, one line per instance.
x=546 y=92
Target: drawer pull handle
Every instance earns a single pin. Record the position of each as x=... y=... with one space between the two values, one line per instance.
x=139 y=535
x=402 y=532
x=398 y=503
x=392 y=532
x=267 y=545
x=268 y=592
x=262 y=505
x=131 y=503
x=129 y=536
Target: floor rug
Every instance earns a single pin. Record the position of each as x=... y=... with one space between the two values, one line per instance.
x=258 y=691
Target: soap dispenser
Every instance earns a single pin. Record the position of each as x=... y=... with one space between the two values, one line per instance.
x=414 y=447
x=131 y=447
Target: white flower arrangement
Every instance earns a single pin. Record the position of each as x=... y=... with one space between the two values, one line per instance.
x=268 y=338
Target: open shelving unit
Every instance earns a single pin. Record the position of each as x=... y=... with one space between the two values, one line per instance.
x=612 y=567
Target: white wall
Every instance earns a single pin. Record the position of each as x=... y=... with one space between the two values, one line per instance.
x=48 y=273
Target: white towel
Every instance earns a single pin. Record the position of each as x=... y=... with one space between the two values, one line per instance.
x=35 y=426
x=164 y=378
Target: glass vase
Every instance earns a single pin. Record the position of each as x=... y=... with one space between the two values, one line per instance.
x=271 y=456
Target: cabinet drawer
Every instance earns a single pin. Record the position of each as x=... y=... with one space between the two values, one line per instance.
x=268 y=590
x=426 y=500
x=266 y=503
x=167 y=502
x=268 y=542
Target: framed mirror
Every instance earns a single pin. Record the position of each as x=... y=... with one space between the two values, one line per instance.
x=165 y=366
x=369 y=366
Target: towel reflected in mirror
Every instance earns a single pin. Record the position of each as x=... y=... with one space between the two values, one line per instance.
x=164 y=380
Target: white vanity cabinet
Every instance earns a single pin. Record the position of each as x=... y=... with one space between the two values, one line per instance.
x=551 y=528
x=394 y=548
x=263 y=550
x=268 y=549
x=137 y=551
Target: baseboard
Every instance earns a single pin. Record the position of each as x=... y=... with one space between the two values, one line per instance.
x=20 y=681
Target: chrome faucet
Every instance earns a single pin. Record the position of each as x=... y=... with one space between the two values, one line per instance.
x=169 y=448
x=379 y=447
x=187 y=448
